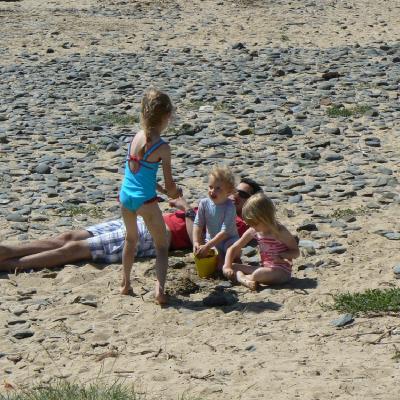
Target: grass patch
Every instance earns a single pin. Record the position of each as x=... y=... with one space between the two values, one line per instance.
x=73 y=211
x=220 y=106
x=380 y=301
x=340 y=111
x=196 y=104
x=285 y=38
x=109 y=119
x=91 y=147
x=348 y=212
x=70 y=391
x=396 y=355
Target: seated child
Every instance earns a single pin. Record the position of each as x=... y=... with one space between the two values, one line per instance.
x=278 y=247
x=217 y=215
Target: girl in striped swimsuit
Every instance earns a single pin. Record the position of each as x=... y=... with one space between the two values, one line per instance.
x=277 y=246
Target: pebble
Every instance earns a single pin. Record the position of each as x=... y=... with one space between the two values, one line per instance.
x=343 y=320
x=23 y=334
x=392 y=235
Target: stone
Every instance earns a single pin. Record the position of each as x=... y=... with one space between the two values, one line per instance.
x=23 y=334
x=219 y=299
x=392 y=235
x=343 y=320
x=307 y=226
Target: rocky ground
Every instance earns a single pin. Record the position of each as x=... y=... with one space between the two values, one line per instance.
x=302 y=96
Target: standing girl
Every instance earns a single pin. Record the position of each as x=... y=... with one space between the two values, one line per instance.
x=277 y=246
x=138 y=192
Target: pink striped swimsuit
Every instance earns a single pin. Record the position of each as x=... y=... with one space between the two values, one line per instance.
x=270 y=247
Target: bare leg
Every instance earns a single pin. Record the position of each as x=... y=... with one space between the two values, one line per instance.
x=265 y=275
x=129 y=251
x=69 y=252
x=152 y=216
x=39 y=246
x=246 y=280
x=271 y=276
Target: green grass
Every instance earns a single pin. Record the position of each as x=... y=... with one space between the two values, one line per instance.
x=285 y=38
x=193 y=104
x=64 y=390
x=396 y=355
x=348 y=212
x=220 y=106
x=73 y=211
x=91 y=147
x=380 y=301
x=196 y=104
x=109 y=119
x=340 y=111
x=69 y=391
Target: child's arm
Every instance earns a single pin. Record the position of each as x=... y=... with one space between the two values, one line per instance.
x=197 y=238
x=204 y=249
x=289 y=240
x=171 y=188
x=234 y=251
x=161 y=189
x=227 y=229
x=198 y=226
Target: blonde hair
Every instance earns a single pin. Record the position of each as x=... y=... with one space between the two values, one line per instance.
x=260 y=209
x=155 y=105
x=225 y=175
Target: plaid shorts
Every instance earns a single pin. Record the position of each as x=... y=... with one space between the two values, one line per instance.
x=108 y=240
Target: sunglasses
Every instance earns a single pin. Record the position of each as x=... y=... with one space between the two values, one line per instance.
x=243 y=195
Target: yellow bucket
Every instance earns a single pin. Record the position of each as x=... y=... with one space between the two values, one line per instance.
x=208 y=265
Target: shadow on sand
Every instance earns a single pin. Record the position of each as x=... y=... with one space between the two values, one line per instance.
x=226 y=299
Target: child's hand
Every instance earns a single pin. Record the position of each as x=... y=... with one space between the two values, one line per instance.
x=229 y=273
x=196 y=247
x=176 y=193
x=203 y=251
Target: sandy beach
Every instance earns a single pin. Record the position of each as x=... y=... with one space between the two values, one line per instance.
x=249 y=79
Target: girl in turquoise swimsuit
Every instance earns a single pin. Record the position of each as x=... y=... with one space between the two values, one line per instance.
x=138 y=191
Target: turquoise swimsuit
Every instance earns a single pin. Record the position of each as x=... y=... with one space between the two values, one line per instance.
x=139 y=187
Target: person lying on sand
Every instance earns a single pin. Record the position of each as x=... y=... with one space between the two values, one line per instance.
x=278 y=247
x=104 y=242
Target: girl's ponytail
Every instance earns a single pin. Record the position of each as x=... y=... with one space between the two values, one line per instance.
x=155 y=106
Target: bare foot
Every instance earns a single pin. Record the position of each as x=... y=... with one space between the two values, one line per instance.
x=3 y=253
x=127 y=290
x=9 y=264
x=161 y=299
x=245 y=281
x=160 y=296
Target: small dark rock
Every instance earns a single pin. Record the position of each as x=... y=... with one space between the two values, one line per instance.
x=23 y=334
x=307 y=226
x=330 y=75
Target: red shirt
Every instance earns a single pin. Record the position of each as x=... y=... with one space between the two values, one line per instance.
x=179 y=237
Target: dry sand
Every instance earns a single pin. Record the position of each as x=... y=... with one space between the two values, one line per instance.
x=277 y=343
